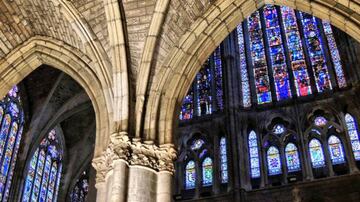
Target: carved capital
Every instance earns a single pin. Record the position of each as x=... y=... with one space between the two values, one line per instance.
x=166 y=156
x=120 y=146
x=99 y=165
x=143 y=154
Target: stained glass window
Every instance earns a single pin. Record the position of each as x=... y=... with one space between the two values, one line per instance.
x=44 y=171
x=277 y=54
x=314 y=45
x=81 y=188
x=197 y=144
x=292 y=157
x=254 y=155
x=279 y=129
x=296 y=53
x=223 y=161
x=187 y=108
x=273 y=161
x=316 y=154
x=340 y=77
x=218 y=76
x=207 y=172
x=258 y=57
x=245 y=86
x=190 y=175
x=204 y=101
x=320 y=121
x=336 y=150
x=11 y=124
x=353 y=134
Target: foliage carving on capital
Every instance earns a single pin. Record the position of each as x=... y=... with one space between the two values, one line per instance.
x=143 y=154
x=99 y=165
x=120 y=146
x=166 y=156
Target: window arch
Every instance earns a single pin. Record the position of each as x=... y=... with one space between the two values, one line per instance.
x=316 y=153
x=254 y=155
x=336 y=150
x=207 y=172
x=190 y=175
x=11 y=128
x=353 y=134
x=223 y=161
x=205 y=95
x=81 y=188
x=273 y=161
x=44 y=172
x=292 y=157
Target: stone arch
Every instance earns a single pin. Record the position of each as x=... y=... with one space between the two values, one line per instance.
x=47 y=51
x=194 y=47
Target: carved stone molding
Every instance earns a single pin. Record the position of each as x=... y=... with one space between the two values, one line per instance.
x=136 y=153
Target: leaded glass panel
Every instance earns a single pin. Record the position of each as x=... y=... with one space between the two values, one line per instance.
x=292 y=157
x=190 y=175
x=336 y=150
x=273 y=161
x=207 y=172
x=316 y=154
x=353 y=134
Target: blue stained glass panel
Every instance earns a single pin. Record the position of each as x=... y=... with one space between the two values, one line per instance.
x=320 y=121
x=6 y=164
x=223 y=161
x=187 y=108
x=278 y=129
x=316 y=53
x=37 y=180
x=218 y=79
x=340 y=77
x=336 y=150
x=292 y=157
x=245 y=86
x=52 y=181
x=58 y=177
x=258 y=57
x=277 y=54
x=4 y=133
x=197 y=144
x=204 y=101
x=353 y=134
x=30 y=177
x=45 y=178
x=316 y=154
x=297 y=58
x=254 y=155
x=207 y=171
x=190 y=175
x=273 y=161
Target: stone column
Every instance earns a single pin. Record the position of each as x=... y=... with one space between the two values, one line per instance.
x=130 y=170
x=151 y=171
x=112 y=169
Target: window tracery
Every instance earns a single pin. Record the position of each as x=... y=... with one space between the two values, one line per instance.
x=11 y=128
x=353 y=134
x=254 y=155
x=336 y=150
x=316 y=153
x=44 y=171
x=273 y=161
x=207 y=171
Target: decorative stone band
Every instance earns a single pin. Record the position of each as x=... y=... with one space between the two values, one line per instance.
x=136 y=153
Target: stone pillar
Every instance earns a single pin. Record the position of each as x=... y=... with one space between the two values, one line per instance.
x=112 y=170
x=134 y=171
x=151 y=171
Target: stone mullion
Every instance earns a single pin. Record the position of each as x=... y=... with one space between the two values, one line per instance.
x=232 y=101
x=283 y=163
x=328 y=161
x=303 y=149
